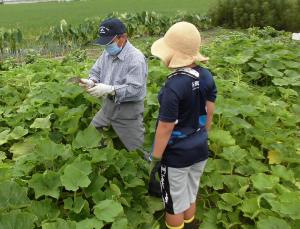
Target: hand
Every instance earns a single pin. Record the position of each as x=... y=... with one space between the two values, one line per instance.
x=101 y=89
x=153 y=164
x=86 y=83
x=154 y=188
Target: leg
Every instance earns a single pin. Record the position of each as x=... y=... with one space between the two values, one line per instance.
x=194 y=176
x=190 y=213
x=174 y=194
x=127 y=121
x=174 y=221
x=130 y=132
x=101 y=119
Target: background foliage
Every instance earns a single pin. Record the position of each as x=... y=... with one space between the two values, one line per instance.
x=52 y=175
x=280 y=14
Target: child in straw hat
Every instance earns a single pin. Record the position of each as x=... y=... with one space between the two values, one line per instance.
x=185 y=115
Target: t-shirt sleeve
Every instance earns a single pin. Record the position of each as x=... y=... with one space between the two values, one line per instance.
x=169 y=104
x=211 y=90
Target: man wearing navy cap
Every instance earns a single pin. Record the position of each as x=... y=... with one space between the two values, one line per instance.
x=119 y=74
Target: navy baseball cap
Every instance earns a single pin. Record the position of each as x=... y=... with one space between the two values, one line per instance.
x=108 y=29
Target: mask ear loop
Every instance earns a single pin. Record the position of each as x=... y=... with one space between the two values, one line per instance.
x=111 y=40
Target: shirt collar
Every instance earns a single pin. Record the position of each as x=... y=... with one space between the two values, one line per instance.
x=122 y=54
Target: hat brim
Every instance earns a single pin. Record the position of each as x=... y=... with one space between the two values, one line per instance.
x=171 y=57
x=104 y=40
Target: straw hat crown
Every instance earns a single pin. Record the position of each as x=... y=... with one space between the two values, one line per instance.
x=180 y=46
x=183 y=37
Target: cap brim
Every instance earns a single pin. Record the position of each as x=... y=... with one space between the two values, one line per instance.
x=104 y=40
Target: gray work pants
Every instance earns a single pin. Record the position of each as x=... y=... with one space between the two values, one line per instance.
x=126 y=119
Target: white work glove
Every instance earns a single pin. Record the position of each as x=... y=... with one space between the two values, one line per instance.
x=86 y=83
x=101 y=89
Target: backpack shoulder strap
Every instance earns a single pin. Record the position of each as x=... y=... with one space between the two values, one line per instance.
x=195 y=75
x=186 y=71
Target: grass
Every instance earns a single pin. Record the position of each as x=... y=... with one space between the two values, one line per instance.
x=34 y=18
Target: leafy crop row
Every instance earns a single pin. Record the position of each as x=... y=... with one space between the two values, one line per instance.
x=138 y=25
x=10 y=40
x=52 y=175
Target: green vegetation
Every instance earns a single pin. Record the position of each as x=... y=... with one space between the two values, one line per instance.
x=53 y=175
x=10 y=40
x=251 y=181
x=142 y=24
x=280 y=14
x=65 y=36
x=37 y=18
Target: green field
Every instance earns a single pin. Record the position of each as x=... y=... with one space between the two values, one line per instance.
x=53 y=174
x=35 y=17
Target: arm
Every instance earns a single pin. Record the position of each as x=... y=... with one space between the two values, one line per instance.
x=168 y=114
x=95 y=72
x=210 y=107
x=210 y=101
x=135 y=82
x=162 y=136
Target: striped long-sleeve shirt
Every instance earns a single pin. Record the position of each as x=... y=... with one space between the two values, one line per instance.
x=127 y=72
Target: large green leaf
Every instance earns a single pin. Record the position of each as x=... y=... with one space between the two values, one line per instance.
x=283 y=172
x=154 y=204
x=4 y=136
x=88 y=138
x=44 y=209
x=21 y=148
x=213 y=179
x=285 y=206
x=108 y=210
x=18 y=132
x=235 y=183
x=255 y=65
x=48 y=150
x=292 y=64
x=41 y=123
x=272 y=222
x=46 y=184
x=68 y=121
x=75 y=175
x=2 y=156
x=210 y=219
x=96 y=185
x=75 y=205
x=60 y=224
x=234 y=153
x=273 y=72
x=221 y=165
x=250 y=207
x=264 y=182
x=13 y=195
x=92 y=223
x=120 y=223
x=221 y=137
x=239 y=59
x=134 y=182
x=231 y=199
x=17 y=220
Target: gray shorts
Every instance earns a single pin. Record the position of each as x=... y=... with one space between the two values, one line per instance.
x=180 y=186
x=126 y=119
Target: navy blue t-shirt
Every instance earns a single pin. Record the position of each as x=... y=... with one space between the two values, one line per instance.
x=183 y=100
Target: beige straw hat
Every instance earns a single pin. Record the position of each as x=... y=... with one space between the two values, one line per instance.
x=180 y=46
